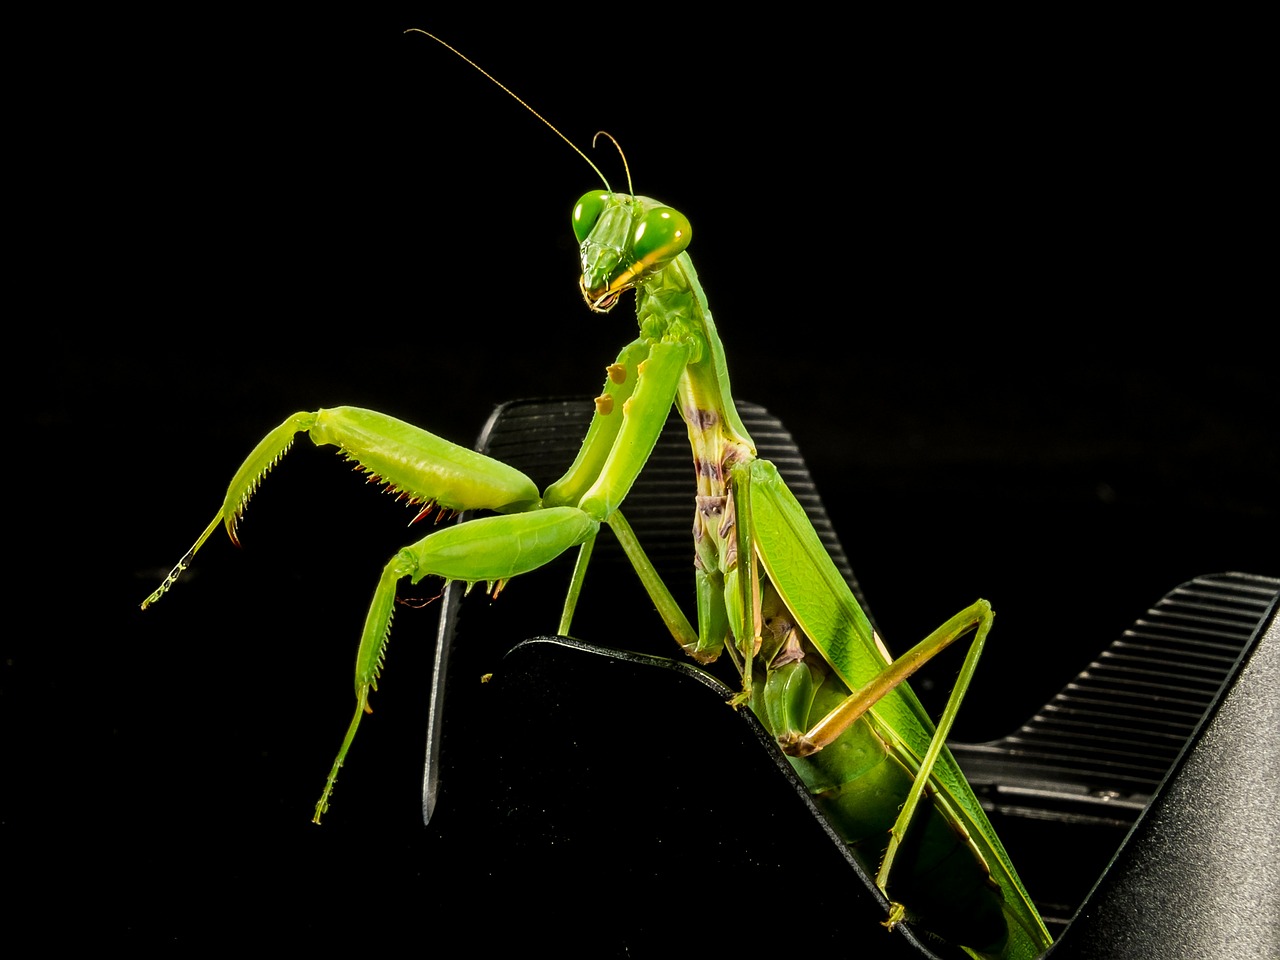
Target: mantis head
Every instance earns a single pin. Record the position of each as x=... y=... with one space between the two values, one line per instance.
x=624 y=240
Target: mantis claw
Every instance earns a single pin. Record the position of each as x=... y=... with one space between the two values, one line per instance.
x=181 y=566
x=897 y=913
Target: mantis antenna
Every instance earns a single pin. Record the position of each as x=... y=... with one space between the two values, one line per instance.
x=625 y=166
x=549 y=124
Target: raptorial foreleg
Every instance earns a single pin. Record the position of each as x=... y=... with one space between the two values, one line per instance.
x=491 y=550
x=407 y=460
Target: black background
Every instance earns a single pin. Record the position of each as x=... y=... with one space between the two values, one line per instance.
x=1002 y=280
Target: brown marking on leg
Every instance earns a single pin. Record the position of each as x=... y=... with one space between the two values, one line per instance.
x=707 y=468
x=711 y=506
x=727 y=523
x=701 y=419
x=604 y=404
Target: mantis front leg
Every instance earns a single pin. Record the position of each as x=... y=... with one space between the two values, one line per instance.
x=430 y=473
x=410 y=462
x=491 y=549
x=435 y=474
x=629 y=417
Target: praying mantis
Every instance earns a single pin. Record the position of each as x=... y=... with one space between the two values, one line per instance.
x=811 y=667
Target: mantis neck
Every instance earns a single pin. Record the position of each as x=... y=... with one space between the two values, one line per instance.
x=671 y=306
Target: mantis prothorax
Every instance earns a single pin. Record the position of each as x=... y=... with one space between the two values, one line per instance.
x=811 y=666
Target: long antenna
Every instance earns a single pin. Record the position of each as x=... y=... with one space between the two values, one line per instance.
x=625 y=166
x=507 y=90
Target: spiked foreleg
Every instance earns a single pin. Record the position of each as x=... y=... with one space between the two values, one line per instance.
x=630 y=414
x=490 y=550
x=643 y=416
x=622 y=377
x=410 y=462
x=621 y=438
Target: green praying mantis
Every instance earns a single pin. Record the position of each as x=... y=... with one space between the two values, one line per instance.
x=812 y=668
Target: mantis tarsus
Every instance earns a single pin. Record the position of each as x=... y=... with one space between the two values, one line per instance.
x=811 y=666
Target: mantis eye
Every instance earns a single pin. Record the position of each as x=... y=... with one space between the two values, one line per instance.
x=587 y=211
x=661 y=236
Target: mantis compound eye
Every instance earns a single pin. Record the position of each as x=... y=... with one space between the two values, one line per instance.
x=587 y=211
x=661 y=235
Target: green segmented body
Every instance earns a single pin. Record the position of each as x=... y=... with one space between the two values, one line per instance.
x=812 y=668
x=954 y=877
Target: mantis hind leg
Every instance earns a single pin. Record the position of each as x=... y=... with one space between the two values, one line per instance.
x=889 y=801
x=977 y=618
x=819 y=604
x=789 y=692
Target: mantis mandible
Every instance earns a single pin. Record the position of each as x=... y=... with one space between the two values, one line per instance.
x=812 y=668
